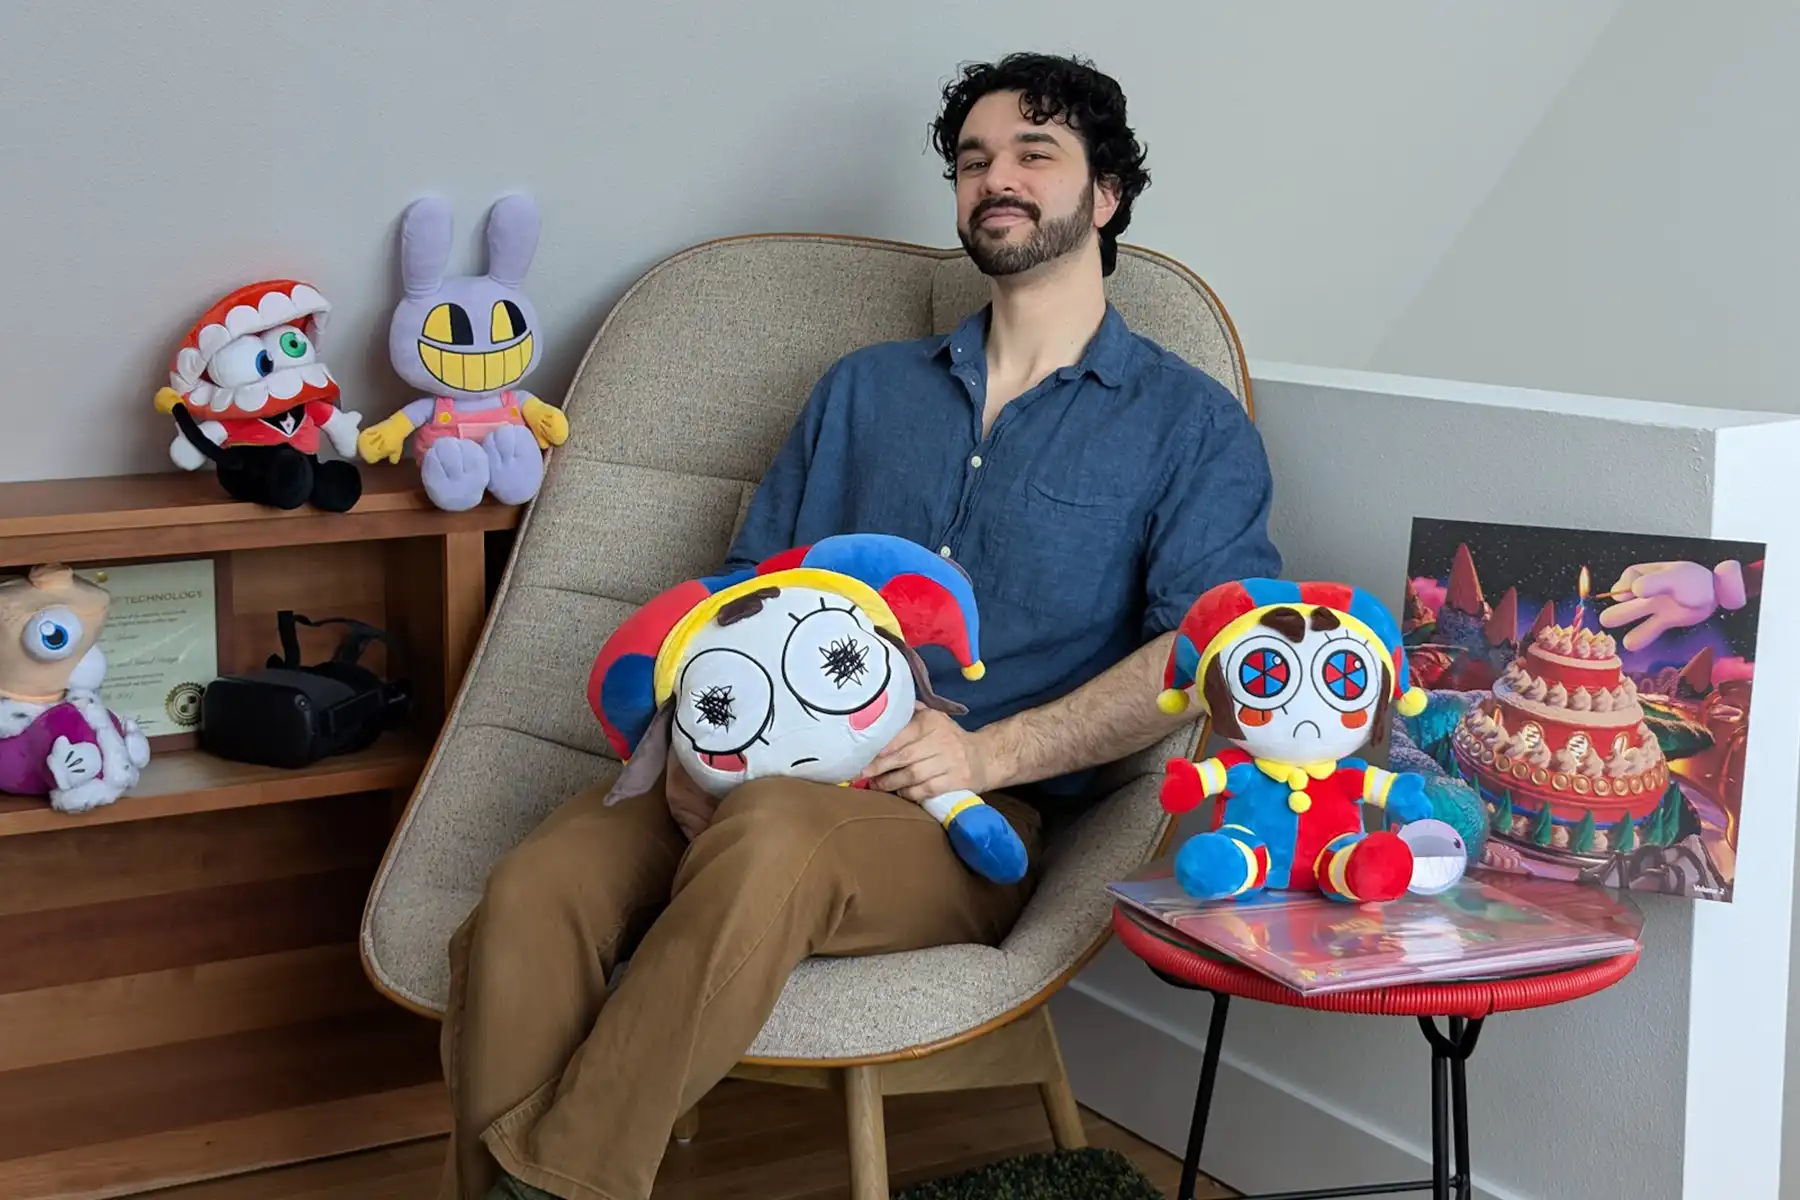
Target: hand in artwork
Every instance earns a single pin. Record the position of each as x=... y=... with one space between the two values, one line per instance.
x=1661 y=596
x=930 y=756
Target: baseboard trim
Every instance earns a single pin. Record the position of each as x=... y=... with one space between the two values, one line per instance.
x=1139 y=1071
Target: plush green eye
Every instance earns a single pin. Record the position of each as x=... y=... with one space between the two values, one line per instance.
x=292 y=344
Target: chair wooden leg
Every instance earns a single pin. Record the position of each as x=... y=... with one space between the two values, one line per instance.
x=1066 y=1128
x=687 y=1127
x=868 y=1134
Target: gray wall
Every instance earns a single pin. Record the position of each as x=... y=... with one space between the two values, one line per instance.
x=1643 y=243
x=1313 y=161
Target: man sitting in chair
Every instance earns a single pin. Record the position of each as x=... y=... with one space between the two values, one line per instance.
x=1091 y=483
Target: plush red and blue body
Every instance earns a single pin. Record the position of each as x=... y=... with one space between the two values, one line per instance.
x=1298 y=676
x=1268 y=834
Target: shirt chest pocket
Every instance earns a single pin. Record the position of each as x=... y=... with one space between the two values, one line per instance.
x=1061 y=549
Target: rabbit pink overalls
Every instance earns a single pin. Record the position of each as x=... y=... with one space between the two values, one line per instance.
x=446 y=421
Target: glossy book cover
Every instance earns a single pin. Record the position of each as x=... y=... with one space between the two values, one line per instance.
x=1487 y=925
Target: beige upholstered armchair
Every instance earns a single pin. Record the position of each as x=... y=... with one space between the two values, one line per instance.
x=678 y=406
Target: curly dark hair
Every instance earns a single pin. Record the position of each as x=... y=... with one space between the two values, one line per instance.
x=1053 y=87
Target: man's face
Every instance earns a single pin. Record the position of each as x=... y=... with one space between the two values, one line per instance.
x=1024 y=195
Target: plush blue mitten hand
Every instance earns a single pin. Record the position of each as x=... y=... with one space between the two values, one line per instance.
x=981 y=837
x=1406 y=799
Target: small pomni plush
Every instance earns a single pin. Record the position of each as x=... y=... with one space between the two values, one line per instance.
x=467 y=341
x=56 y=737
x=1298 y=677
x=250 y=394
x=804 y=667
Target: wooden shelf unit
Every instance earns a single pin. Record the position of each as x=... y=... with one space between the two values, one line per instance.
x=180 y=990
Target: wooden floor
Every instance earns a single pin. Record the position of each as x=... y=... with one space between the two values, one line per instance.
x=737 y=1154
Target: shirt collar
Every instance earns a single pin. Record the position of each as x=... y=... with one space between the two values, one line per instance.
x=1105 y=358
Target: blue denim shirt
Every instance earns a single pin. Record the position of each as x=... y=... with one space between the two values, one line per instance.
x=1100 y=505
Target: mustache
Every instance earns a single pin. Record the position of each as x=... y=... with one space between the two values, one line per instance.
x=1004 y=204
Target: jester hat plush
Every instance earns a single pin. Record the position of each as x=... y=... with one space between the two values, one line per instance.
x=915 y=596
x=1230 y=610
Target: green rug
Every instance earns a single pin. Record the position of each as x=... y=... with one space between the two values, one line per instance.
x=1064 y=1175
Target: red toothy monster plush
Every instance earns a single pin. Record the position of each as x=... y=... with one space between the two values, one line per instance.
x=249 y=393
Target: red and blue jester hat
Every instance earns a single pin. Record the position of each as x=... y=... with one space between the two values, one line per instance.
x=918 y=597
x=1227 y=612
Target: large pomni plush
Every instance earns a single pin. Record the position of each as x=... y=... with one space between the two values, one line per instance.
x=57 y=739
x=1298 y=677
x=467 y=341
x=804 y=667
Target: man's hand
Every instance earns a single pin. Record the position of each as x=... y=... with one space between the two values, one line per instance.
x=930 y=756
x=691 y=807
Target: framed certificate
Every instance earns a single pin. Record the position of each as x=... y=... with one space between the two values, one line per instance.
x=161 y=643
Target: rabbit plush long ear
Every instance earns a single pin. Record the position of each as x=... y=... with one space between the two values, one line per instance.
x=424 y=245
x=512 y=236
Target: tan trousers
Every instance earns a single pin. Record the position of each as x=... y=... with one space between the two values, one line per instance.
x=577 y=1092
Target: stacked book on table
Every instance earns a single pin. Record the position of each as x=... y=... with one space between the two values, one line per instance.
x=1488 y=925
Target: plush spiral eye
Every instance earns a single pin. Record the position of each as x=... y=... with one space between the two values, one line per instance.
x=727 y=701
x=1262 y=673
x=834 y=664
x=52 y=634
x=1347 y=676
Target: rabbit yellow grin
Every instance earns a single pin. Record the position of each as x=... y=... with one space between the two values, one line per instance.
x=479 y=372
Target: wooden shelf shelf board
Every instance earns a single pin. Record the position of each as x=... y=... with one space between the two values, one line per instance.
x=191 y=781
x=139 y=516
x=159 y=500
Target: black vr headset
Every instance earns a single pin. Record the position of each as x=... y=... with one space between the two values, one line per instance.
x=290 y=715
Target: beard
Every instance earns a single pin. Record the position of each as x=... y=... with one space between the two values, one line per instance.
x=1048 y=240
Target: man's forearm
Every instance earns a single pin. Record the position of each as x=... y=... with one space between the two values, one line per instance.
x=1109 y=717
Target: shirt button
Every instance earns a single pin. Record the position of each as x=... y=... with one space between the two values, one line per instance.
x=944 y=550
x=975 y=462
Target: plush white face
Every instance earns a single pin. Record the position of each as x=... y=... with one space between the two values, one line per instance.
x=1303 y=703
x=804 y=688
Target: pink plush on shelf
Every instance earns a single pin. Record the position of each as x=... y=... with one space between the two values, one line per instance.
x=57 y=738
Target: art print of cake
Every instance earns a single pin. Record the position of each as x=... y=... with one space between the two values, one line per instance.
x=1561 y=749
x=1594 y=714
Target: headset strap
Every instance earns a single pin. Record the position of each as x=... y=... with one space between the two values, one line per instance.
x=349 y=650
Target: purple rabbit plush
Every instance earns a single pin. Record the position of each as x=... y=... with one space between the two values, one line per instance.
x=467 y=341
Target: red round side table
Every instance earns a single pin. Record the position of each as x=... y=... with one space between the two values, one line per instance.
x=1463 y=1005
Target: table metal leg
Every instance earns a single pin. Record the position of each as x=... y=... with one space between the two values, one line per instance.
x=1459 y=1101
x=1450 y=1107
x=1209 y=1074
x=1440 y=1125
x=1452 y=1175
